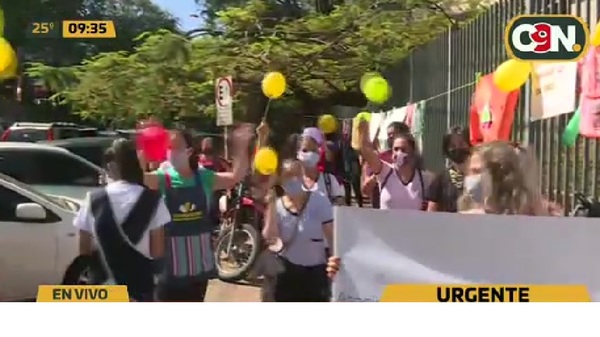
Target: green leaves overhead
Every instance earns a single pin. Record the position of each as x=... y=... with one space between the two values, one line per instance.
x=322 y=55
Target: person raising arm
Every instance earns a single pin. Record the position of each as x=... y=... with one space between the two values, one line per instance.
x=187 y=190
x=222 y=180
x=402 y=183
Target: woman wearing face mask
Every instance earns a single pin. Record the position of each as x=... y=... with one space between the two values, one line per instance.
x=297 y=224
x=402 y=183
x=187 y=190
x=498 y=181
x=447 y=186
x=313 y=180
x=528 y=163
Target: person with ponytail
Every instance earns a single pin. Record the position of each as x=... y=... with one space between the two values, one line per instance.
x=187 y=189
x=121 y=226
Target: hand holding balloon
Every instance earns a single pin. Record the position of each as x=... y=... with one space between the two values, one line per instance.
x=364 y=116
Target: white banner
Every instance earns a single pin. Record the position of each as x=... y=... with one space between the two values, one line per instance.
x=553 y=89
x=378 y=248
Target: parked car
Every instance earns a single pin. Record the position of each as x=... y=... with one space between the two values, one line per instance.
x=33 y=132
x=50 y=169
x=37 y=239
x=90 y=148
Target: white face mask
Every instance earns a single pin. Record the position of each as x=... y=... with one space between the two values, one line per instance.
x=309 y=159
x=400 y=158
x=178 y=158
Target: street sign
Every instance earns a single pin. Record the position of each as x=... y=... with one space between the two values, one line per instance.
x=224 y=101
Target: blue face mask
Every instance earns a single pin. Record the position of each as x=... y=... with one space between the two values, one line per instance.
x=292 y=187
x=473 y=186
x=309 y=159
x=178 y=158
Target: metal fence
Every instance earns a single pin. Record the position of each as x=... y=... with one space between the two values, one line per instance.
x=443 y=72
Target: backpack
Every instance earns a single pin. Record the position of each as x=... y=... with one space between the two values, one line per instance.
x=133 y=227
x=590 y=94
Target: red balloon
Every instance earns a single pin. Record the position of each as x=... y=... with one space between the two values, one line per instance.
x=153 y=140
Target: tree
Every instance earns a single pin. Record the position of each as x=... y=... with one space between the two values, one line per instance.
x=322 y=55
x=131 y=17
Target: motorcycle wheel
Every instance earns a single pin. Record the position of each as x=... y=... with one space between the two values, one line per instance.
x=246 y=243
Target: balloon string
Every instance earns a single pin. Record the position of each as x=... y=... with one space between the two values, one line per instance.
x=266 y=110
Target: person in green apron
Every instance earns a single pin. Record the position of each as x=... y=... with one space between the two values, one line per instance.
x=187 y=189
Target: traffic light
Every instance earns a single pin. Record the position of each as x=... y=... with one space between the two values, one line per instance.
x=221 y=91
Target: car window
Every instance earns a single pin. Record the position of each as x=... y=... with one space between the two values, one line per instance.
x=18 y=164
x=92 y=153
x=87 y=133
x=56 y=201
x=66 y=133
x=10 y=200
x=65 y=170
x=27 y=135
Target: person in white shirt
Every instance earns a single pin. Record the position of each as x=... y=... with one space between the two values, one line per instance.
x=313 y=180
x=114 y=205
x=298 y=225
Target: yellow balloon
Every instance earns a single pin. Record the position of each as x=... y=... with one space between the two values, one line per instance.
x=327 y=124
x=11 y=70
x=265 y=161
x=512 y=74
x=366 y=77
x=7 y=56
x=377 y=90
x=364 y=116
x=273 y=85
x=595 y=40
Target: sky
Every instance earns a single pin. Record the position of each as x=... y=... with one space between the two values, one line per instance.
x=181 y=9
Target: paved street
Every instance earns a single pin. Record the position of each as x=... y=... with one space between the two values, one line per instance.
x=219 y=291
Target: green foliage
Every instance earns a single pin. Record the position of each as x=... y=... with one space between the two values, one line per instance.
x=131 y=17
x=322 y=55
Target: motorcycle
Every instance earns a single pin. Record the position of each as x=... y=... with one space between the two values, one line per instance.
x=238 y=242
x=585 y=207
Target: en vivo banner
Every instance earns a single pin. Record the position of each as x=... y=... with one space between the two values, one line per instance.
x=378 y=248
x=553 y=89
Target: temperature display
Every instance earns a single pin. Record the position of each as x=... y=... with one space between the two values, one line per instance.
x=44 y=29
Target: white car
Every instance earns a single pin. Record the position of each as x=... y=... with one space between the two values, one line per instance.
x=49 y=169
x=38 y=241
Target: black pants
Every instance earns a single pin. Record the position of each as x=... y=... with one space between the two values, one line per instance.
x=194 y=292
x=297 y=284
x=349 y=186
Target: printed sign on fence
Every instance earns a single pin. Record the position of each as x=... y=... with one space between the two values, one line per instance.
x=553 y=89
x=379 y=248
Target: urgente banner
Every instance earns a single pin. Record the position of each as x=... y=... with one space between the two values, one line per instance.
x=383 y=247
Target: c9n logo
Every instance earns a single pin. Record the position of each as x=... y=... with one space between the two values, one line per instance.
x=546 y=38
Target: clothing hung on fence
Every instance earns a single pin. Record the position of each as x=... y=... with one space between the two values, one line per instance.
x=492 y=112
